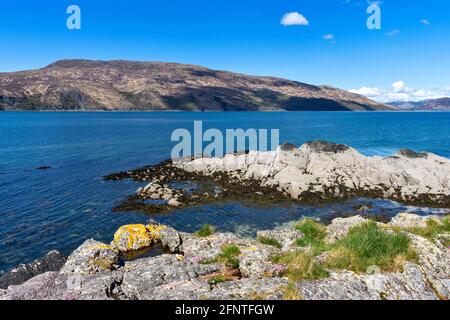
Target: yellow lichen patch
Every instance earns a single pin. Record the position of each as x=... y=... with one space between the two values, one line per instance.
x=155 y=230
x=132 y=237
x=180 y=257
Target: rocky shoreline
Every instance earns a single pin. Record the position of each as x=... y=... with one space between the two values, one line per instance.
x=350 y=259
x=314 y=173
x=223 y=266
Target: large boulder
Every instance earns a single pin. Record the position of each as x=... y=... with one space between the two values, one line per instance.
x=52 y=261
x=90 y=257
x=135 y=237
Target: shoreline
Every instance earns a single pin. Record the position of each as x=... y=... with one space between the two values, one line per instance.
x=217 y=266
x=212 y=111
x=315 y=173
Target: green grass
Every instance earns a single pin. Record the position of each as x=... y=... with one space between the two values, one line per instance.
x=314 y=235
x=433 y=229
x=216 y=280
x=270 y=242
x=364 y=246
x=368 y=245
x=301 y=266
x=205 y=231
x=229 y=256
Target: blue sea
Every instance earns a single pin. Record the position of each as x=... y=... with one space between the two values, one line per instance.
x=59 y=208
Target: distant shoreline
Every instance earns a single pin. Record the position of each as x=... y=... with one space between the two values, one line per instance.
x=212 y=111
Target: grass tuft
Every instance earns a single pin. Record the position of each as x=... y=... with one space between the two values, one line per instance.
x=216 y=280
x=270 y=242
x=367 y=245
x=205 y=231
x=301 y=265
x=314 y=235
x=229 y=256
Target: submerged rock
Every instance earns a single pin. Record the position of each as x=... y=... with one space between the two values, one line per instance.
x=52 y=261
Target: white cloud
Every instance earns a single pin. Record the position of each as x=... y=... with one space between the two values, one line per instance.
x=294 y=19
x=393 y=33
x=328 y=36
x=425 y=22
x=399 y=91
x=399 y=86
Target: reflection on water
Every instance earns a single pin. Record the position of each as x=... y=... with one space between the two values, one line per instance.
x=245 y=220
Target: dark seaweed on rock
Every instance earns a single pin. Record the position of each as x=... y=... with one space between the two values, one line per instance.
x=324 y=146
x=412 y=154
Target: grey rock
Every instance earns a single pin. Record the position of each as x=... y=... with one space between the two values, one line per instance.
x=90 y=257
x=286 y=237
x=339 y=227
x=170 y=239
x=52 y=261
x=143 y=276
x=409 y=285
x=407 y=220
x=41 y=287
x=435 y=264
x=246 y=289
x=256 y=261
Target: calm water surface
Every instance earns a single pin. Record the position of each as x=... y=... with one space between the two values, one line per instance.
x=61 y=207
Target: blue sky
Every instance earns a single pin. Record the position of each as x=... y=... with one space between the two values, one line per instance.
x=247 y=36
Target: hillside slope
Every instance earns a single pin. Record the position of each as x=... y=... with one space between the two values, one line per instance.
x=127 y=85
x=442 y=104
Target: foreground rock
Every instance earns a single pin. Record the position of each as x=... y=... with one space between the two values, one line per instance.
x=409 y=285
x=323 y=170
x=92 y=256
x=224 y=266
x=52 y=261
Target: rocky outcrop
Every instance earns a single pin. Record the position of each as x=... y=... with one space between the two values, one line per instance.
x=132 y=85
x=409 y=285
x=52 y=261
x=195 y=268
x=319 y=171
x=132 y=237
x=92 y=256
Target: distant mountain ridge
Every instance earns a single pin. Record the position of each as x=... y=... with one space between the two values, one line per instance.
x=129 y=85
x=442 y=104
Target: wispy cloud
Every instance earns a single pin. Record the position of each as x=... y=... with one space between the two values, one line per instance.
x=328 y=36
x=294 y=19
x=393 y=33
x=425 y=22
x=399 y=91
